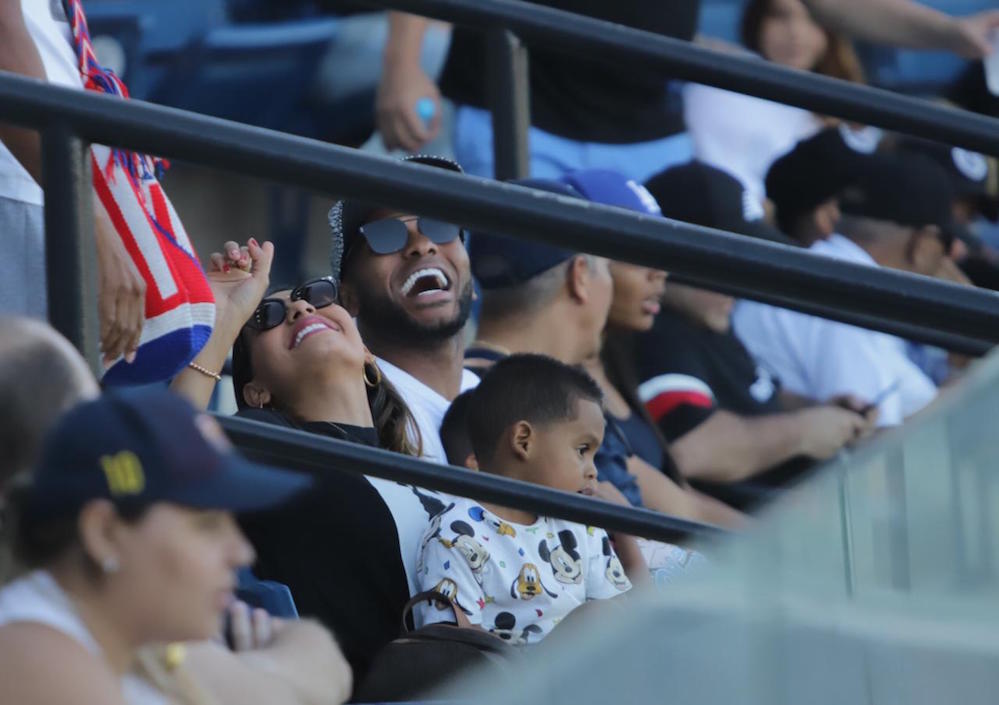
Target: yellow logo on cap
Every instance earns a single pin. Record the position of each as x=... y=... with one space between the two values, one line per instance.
x=124 y=473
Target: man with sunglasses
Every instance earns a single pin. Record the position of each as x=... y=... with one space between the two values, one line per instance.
x=407 y=280
x=896 y=214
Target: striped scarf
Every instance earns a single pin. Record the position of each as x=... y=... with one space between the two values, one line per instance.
x=180 y=308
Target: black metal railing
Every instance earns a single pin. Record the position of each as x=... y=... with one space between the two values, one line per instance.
x=299 y=450
x=882 y=299
x=623 y=46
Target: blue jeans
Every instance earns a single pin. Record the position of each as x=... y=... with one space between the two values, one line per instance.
x=552 y=156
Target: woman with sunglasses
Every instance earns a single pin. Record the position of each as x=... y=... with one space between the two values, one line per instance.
x=347 y=547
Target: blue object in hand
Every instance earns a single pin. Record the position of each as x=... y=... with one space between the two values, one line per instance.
x=426 y=109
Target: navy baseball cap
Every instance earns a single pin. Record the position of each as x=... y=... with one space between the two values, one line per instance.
x=703 y=195
x=136 y=448
x=612 y=188
x=346 y=217
x=499 y=261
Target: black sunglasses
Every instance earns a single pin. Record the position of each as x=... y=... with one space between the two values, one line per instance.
x=271 y=312
x=391 y=235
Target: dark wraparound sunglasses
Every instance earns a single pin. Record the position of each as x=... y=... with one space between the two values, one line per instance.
x=391 y=235
x=272 y=312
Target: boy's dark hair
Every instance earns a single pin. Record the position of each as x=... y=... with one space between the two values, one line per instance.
x=532 y=388
x=454 y=430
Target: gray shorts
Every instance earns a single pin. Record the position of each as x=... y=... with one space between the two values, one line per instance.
x=22 y=259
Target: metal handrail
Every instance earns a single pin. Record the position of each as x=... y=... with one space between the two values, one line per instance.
x=299 y=450
x=787 y=276
x=588 y=37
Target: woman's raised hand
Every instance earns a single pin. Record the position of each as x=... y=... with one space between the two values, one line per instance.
x=239 y=276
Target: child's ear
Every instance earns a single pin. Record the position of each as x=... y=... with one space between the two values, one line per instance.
x=522 y=439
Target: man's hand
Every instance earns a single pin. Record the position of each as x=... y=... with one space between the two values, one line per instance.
x=826 y=429
x=973 y=34
x=239 y=277
x=121 y=294
x=404 y=84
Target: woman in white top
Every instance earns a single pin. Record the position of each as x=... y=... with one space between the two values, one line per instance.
x=744 y=135
x=128 y=532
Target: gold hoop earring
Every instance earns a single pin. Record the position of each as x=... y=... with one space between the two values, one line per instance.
x=377 y=374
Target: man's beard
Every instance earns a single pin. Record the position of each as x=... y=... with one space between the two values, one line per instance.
x=391 y=322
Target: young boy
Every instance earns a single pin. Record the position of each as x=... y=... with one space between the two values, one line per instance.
x=513 y=573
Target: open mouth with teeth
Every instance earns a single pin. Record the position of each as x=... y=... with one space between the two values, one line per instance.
x=424 y=282
x=313 y=325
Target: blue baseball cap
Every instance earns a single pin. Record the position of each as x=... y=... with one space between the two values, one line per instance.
x=612 y=188
x=136 y=448
x=499 y=261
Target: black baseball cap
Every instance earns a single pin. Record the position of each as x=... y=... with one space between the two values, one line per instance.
x=703 y=195
x=346 y=217
x=971 y=173
x=139 y=447
x=906 y=189
x=499 y=261
x=814 y=171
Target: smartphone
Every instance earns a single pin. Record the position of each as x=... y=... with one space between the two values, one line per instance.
x=992 y=66
x=880 y=397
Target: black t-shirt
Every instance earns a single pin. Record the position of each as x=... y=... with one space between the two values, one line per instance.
x=337 y=547
x=688 y=371
x=581 y=99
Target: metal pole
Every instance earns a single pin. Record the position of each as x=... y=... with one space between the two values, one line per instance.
x=509 y=100
x=70 y=258
x=779 y=274
x=298 y=450
x=623 y=46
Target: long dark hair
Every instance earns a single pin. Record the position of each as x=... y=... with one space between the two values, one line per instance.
x=839 y=61
x=618 y=358
x=394 y=423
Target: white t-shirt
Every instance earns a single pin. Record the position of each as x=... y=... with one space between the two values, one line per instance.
x=743 y=135
x=516 y=581
x=818 y=358
x=48 y=27
x=427 y=406
x=37 y=598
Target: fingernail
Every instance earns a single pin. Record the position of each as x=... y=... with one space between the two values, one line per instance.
x=130 y=357
x=234 y=253
x=253 y=241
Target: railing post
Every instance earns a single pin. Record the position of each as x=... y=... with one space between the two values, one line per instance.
x=509 y=101
x=70 y=257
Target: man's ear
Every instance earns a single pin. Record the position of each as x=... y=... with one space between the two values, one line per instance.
x=578 y=277
x=256 y=395
x=96 y=525
x=924 y=250
x=522 y=439
x=348 y=298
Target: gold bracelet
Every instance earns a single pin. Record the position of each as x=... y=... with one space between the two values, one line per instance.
x=206 y=373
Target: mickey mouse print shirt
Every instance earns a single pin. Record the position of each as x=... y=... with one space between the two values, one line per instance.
x=515 y=581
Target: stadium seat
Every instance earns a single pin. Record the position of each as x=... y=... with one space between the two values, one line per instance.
x=258 y=74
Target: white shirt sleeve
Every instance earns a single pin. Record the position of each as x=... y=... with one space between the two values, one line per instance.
x=605 y=577
x=847 y=359
x=445 y=570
